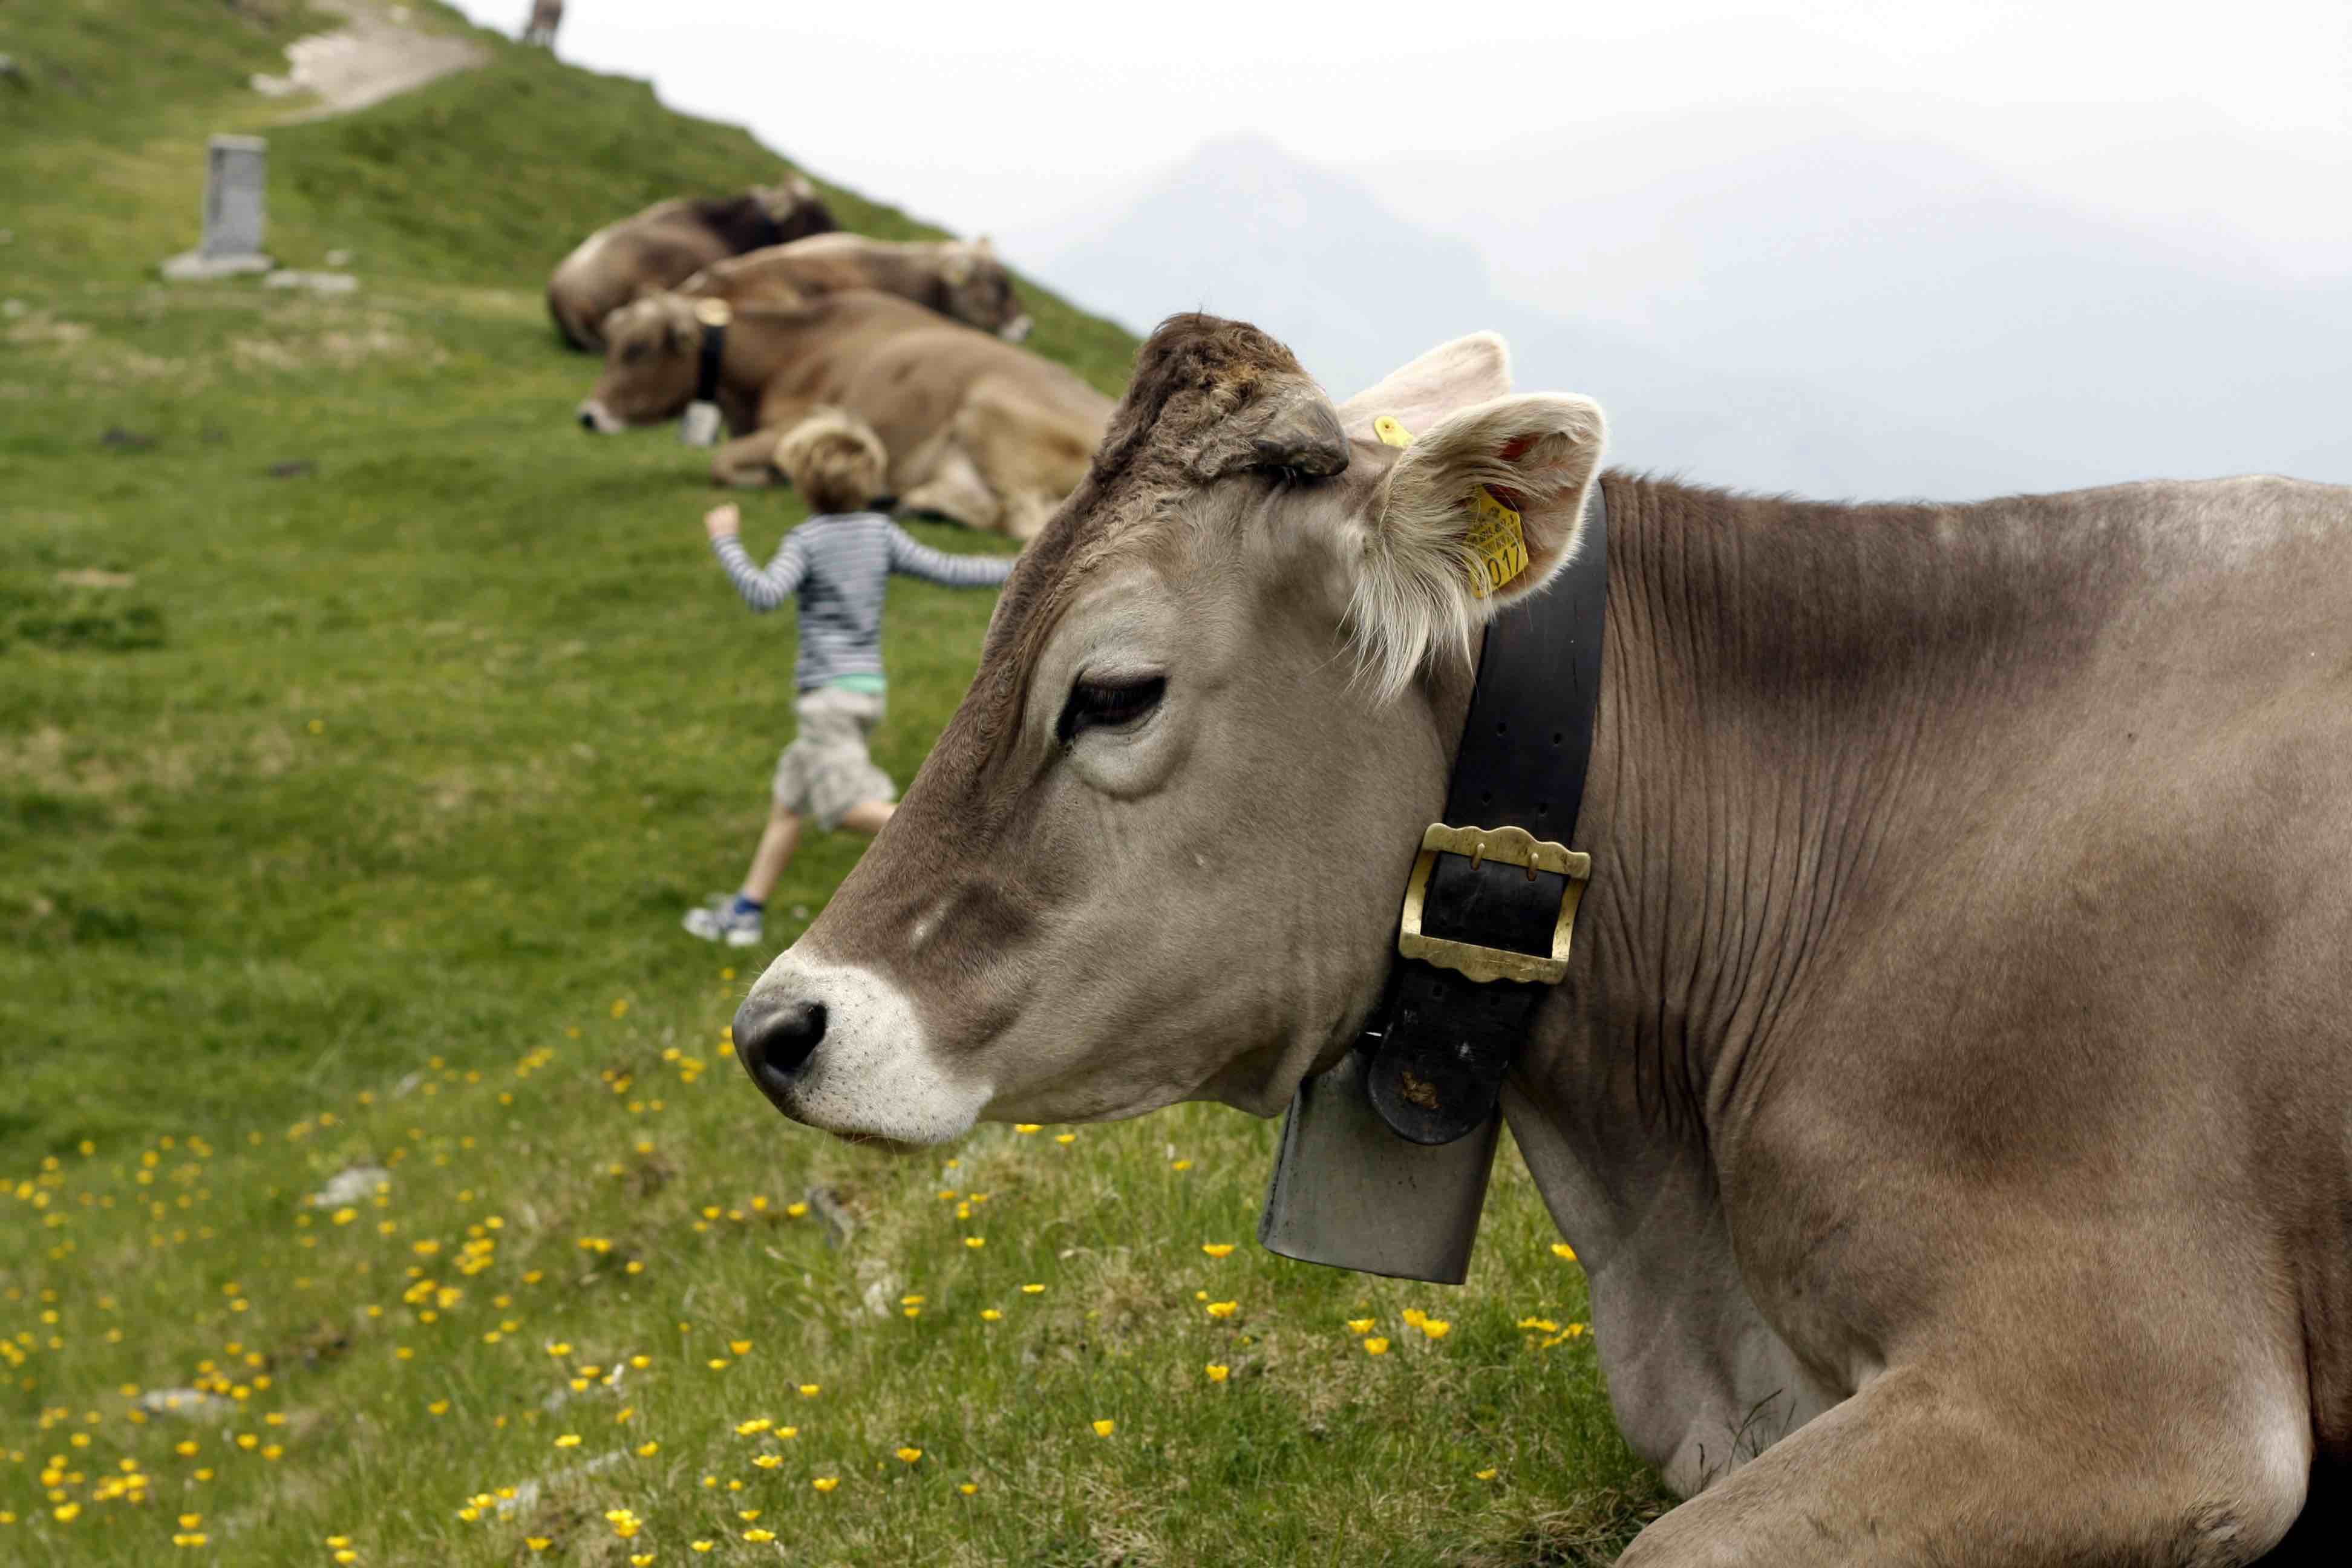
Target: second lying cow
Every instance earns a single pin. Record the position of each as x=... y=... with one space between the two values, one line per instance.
x=962 y=281
x=662 y=245
x=978 y=431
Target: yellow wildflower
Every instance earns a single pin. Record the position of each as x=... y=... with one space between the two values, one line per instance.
x=975 y=1242
x=1376 y=1347
x=1105 y=1429
x=569 y=1440
x=1065 y=1138
x=740 y=1347
x=1181 y=1165
x=1218 y=1374
x=752 y=1427
x=990 y=1314
x=910 y=1455
x=1032 y=1289
x=759 y=1537
x=702 y=1545
x=1562 y=1249
x=1224 y=1309
x=1413 y=1317
x=967 y=1488
x=1436 y=1328
x=826 y=1483
x=1488 y=1474
x=808 y=1391
x=646 y=1450
x=1217 y=1248
x=1361 y=1325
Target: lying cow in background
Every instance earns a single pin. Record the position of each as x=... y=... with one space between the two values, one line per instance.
x=977 y=430
x=669 y=242
x=1950 y=1091
x=962 y=281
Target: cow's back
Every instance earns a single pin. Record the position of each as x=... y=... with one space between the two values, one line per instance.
x=2086 y=998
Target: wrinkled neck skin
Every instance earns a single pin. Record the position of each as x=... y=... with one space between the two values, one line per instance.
x=1743 y=773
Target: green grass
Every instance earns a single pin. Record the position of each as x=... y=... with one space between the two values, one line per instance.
x=322 y=792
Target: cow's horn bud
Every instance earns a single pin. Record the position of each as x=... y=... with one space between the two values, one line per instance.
x=1305 y=437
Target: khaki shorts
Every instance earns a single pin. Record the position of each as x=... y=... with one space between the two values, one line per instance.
x=825 y=770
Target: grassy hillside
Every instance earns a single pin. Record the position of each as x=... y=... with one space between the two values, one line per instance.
x=363 y=728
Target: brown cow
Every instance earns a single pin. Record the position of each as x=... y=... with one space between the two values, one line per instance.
x=667 y=243
x=963 y=282
x=1950 y=1093
x=977 y=430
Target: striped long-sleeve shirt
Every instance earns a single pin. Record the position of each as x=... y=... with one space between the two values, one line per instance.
x=837 y=567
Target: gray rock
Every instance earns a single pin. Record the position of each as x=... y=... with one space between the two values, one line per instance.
x=349 y=1186
x=195 y=266
x=316 y=282
x=528 y=1493
x=192 y=1403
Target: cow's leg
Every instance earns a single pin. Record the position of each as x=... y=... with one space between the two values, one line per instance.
x=1917 y=1469
x=954 y=489
x=747 y=462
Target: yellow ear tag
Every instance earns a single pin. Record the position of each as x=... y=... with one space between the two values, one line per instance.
x=1497 y=540
x=1495 y=537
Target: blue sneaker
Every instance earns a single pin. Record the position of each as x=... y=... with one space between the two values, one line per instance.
x=725 y=919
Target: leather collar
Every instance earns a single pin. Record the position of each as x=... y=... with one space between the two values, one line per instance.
x=1442 y=1041
x=714 y=351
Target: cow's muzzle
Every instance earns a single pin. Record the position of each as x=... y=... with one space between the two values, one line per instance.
x=839 y=1048
x=597 y=419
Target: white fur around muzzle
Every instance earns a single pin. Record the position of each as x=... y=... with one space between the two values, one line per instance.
x=874 y=1075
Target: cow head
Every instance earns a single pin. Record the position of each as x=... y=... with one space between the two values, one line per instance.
x=787 y=201
x=979 y=291
x=652 y=353
x=1157 y=854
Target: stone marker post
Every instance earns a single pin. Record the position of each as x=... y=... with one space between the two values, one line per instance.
x=236 y=178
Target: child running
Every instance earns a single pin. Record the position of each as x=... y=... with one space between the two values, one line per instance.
x=836 y=565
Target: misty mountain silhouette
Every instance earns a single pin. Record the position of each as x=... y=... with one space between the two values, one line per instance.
x=1799 y=306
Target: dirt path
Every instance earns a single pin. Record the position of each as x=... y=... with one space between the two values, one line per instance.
x=378 y=55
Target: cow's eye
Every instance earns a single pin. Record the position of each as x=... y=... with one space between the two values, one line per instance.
x=633 y=354
x=1110 y=703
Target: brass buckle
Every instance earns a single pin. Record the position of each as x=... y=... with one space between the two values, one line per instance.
x=1512 y=847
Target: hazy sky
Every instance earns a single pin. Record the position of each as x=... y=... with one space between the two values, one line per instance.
x=1016 y=119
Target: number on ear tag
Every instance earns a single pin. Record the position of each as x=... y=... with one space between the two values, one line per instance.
x=701 y=426
x=1498 y=541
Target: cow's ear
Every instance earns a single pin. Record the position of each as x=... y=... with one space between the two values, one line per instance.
x=1448 y=378
x=958 y=268
x=1478 y=510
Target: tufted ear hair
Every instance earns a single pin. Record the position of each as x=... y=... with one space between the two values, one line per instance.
x=984 y=245
x=959 y=266
x=1479 y=511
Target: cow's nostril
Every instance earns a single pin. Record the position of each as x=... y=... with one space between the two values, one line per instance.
x=775 y=1040
x=587 y=420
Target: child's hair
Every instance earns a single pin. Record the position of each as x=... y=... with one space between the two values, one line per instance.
x=835 y=460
